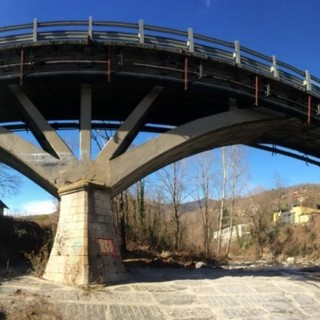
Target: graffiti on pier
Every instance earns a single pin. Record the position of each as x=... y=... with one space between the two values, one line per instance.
x=107 y=247
x=76 y=246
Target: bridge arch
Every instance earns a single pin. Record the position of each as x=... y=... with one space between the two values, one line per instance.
x=197 y=92
x=231 y=127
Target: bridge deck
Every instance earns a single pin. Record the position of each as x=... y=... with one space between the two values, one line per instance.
x=123 y=61
x=48 y=56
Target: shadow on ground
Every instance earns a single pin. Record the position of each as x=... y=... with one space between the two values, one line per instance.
x=157 y=271
x=2 y=316
x=145 y=270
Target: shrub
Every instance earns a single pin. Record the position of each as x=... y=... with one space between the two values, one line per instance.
x=19 y=237
x=39 y=259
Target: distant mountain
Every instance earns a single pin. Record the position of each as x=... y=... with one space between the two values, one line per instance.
x=195 y=205
x=305 y=194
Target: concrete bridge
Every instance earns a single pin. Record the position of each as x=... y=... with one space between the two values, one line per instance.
x=197 y=92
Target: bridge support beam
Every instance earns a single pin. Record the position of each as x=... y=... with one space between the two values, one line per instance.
x=85 y=249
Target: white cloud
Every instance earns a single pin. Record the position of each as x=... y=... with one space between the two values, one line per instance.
x=208 y=3
x=38 y=207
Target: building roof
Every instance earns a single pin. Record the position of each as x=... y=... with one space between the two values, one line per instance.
x=3 y=205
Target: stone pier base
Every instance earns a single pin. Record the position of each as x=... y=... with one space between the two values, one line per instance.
x=85 y=249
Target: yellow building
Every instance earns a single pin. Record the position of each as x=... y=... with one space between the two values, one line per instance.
x=298 y=214
x=303 y=214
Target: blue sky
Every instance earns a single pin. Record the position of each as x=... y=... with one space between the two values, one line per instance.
x=287 y=28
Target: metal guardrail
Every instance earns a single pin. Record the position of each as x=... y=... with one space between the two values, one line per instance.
x=186 y=41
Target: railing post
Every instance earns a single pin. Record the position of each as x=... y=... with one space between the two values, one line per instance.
x=35 y=30
x=190 y=42
x=307 y=81
x=141 y=31
x=236 y=54
x=90 y=32
x=274 y=68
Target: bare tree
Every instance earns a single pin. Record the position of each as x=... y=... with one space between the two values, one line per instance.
x=259 y=211
x=223 y=195
x=140 y=205
x=120 y=209
x=234 y=175
x=204 y=179
x=139 y=211
x=172 y=178
x=101 y=137
x=156 y=225
x=281 y=198
x=10 y=182
x=237 y=178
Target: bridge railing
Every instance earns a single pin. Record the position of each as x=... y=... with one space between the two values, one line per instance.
x=159 y=37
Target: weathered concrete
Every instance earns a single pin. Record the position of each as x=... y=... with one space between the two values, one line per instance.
x=85 y=248
x=169 y=294
x=46 y=135
x=85 y=122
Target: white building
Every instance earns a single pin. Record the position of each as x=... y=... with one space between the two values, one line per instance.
x=237 y=231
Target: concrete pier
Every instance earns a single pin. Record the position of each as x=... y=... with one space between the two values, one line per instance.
x=85 y=248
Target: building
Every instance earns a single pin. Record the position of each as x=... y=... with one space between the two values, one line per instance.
x=297 y=214
x=2 y=207
x=237 y=231
x=283 y=216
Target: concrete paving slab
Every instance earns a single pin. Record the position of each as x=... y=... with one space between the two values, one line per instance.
x=166 y=294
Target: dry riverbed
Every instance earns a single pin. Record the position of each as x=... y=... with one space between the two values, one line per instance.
x=184 y=292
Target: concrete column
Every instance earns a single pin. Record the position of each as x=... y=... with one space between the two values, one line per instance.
x=85 y=249
x=85 y=122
